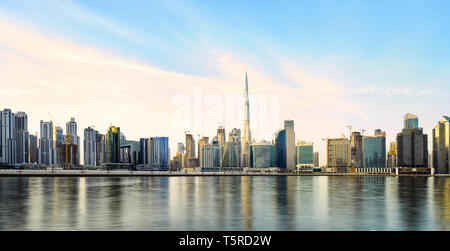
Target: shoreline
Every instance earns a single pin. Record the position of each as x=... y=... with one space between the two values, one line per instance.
x=90 y=173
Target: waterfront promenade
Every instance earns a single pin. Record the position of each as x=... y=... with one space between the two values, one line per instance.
x=128 y=173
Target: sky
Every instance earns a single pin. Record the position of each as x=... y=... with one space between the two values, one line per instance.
x=163 y=67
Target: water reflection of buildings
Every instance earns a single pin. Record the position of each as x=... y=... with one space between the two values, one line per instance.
x=412 y=198
x=442 y=202
x=284 y=202
x=246 y=203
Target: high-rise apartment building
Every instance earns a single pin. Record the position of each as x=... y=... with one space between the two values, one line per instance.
x=7 y=138
x=190 y=149
x=202 y=141
x=22 y=143
x=100 y=149
x=441 y=149
x=46 y=151
x=73 y=139
x=90 y=147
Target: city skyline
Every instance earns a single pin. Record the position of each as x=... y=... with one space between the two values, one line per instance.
x=73 y=60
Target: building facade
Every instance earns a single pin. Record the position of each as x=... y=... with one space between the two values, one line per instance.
x=356 y=140
x=262 y=155
x=339 y=154
x=210 y=156
x=229 y=154
x=279 y=142
x=22 y=135
x=392 y=155
x=112 y=146
x=8 y=138
x=290 y=145
x=90 y=147
x=412 y=145
x=72 y=138
x=190 y=149
x=46 y=152
x=33 y=149
x=316 y=159
x=441 y=149
x=159 y=153
x=305 y=154
x=374 y=150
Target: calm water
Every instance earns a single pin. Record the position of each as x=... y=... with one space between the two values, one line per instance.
x=225 y=203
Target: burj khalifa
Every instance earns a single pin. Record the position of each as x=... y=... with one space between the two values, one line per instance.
x=247 y=138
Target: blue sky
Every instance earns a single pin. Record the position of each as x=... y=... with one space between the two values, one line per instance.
x=386 y=58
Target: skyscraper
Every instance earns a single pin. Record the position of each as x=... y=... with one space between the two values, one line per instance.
x=90 y=147
x=202 y=141
x=339 y=156
x=235 y=135
x=100 y=149
x=262 y=155
x=374 y=150
x=33 y=149
x=356 y=141
x=210 y=156
x=72 y=135
x=47 y=153
x=316 y=159
x=410 y=121
x=441 y=149
x=221 y=136
x=112 y=145
x=279 y=142
x=22 y=147
x=305 y=154
x=190 y=149
x=247 y=138
x=229 y=154
x=159 y=153
x=143 y=151
x=58 y=136
x=392 y=155
x=8 y=138
x=412 y=144
x=290 y=144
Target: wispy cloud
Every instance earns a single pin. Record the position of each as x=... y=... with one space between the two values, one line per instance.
x=87 y=16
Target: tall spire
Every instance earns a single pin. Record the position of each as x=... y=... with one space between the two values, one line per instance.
x=246 y=141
